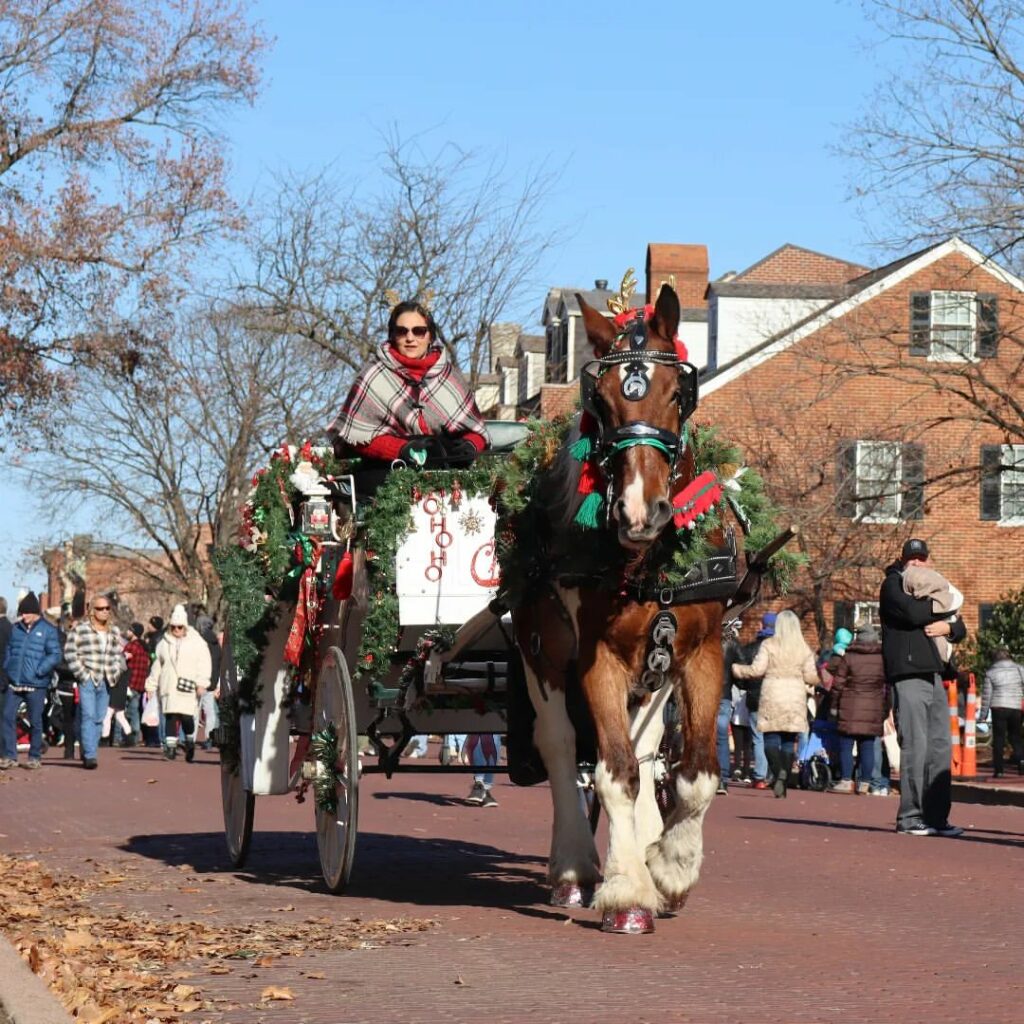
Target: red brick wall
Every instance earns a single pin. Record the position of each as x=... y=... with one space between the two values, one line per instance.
x=790 y=412
x=688 y=264
x=793 y=265
x=558 y=399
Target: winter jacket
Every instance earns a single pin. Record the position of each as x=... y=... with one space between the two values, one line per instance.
x=784 y=692
x=5 y=637
x=858 y=690
x=94 y=656
x=1003 y=686
x=732 y=654
x=33 y=654
x=181 y=669
x=906 y=648
x=752 y=687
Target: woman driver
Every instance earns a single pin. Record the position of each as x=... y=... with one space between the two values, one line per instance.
x=410 y=402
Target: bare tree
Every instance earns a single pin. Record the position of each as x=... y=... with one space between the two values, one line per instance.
x=940 y=150
x=164 y=452
x=444 y=230
x=111 y=177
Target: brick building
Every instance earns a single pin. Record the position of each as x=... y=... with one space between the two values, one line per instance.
x=877 y=403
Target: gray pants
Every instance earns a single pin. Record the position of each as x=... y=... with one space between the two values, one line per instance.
x=922 y=719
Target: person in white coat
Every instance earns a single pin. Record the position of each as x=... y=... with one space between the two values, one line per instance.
x=180 y=675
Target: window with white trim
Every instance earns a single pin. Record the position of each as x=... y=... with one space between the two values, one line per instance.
x=866 y=613
x=879 y=481
x=1011 y=484
x=953 y=325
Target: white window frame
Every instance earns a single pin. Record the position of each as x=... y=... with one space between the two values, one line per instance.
x=866 y=611
x=953 y=311
x=1012 y=455
x=865 y=513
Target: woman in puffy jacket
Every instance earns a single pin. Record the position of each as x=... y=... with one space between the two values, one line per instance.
x=787 y=665
x=858 y=705
x=1003 y=691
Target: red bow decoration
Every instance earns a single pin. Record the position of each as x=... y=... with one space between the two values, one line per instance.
x=341 y=589
x=695 y=499
x=621 y=319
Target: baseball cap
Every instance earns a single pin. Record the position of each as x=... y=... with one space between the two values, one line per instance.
x=914 y=548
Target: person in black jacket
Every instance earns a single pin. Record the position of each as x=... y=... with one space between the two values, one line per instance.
x=913 y=667
x=5 y=637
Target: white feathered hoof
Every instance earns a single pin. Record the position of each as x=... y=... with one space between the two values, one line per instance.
x=631 y=921
x=674 y=905
x=572 y=894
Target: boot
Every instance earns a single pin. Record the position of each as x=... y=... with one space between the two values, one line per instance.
x=170 y=750
x=777 y=763
x=190 y=750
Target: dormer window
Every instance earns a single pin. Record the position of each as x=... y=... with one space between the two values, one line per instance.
x=953 y=326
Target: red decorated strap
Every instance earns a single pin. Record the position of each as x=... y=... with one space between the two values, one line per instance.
x=695 y=499
x=342 y=586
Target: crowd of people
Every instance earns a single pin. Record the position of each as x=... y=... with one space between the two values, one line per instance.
x=80 y=679
x=873 y=703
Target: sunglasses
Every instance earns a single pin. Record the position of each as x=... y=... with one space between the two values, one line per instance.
x=178 y=627
x=419 y=331
x=101 y=608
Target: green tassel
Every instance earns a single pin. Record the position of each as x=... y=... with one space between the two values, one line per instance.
x=589 y=510
x=581 y=449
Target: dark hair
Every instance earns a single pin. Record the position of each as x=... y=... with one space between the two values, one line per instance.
x=157 y=623
x=1002 y=654
x=412 y=307
x=137 y=628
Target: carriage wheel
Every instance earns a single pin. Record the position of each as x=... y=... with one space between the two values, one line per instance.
x=239 y=803
x=336 y=826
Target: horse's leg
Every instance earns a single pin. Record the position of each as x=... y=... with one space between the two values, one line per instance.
x=675 y=860
x=628 y=891
x=646 y=731
x=573 y=866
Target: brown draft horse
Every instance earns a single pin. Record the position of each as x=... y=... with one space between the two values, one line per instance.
x=567 y=630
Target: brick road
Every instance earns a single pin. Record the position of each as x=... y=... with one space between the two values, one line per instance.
x=809 y=909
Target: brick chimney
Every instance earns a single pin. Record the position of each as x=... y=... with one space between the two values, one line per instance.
x=688 y=264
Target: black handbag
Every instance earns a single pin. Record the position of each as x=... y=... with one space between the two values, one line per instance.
x=186 y=685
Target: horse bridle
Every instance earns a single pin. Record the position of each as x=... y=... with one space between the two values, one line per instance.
x=635 y=385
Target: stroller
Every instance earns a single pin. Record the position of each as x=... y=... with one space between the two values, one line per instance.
x=818 y=755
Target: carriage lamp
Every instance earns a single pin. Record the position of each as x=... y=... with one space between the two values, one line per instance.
x=316 y=517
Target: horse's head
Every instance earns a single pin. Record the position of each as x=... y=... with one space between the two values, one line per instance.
x=640 y=394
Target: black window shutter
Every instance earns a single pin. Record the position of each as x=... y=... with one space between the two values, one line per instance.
x=984 y=614
x=988 y=325
x=846 y=479
x=991 y=496
x=920 y=323
x=842 y=615
x=912 y=462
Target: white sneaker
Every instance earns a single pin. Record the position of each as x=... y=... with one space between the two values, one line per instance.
x=477 y=793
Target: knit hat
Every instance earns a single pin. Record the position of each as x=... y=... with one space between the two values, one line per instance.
x=29 y=605
x=137 y=628
x=157 y=622
x=843 y=639
x=767 y=625
x=868 y=634
x=179 y=617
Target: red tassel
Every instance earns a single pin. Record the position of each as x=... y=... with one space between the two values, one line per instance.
x=681 y=354
x=590 y=478
x=342 y=586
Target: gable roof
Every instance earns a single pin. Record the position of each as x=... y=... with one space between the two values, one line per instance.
x=793 y=264
x=862 y=289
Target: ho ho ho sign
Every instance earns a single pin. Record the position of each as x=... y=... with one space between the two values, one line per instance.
x=446 y=569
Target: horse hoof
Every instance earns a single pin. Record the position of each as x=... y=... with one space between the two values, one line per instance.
x=674 y=905
x=571 y=894
x=631 y=921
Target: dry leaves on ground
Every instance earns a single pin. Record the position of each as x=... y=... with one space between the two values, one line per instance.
x=109 y=968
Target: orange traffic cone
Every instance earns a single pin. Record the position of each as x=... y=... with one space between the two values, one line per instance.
x=969 y=764
x=954 y=729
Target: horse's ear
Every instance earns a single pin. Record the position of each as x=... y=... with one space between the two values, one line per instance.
x=666 y=312
x=600 y=330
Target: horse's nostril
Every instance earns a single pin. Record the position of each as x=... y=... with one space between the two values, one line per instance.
x=661 y=512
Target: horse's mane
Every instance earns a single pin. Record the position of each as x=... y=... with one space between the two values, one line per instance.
x=557 y=488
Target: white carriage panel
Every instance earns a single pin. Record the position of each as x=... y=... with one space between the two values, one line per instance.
x=270 y=722
x=447 y=567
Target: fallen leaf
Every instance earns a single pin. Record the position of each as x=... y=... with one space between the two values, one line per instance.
x=182 y=991
x=186 y=889
x=35 y=958
x=265 y=961
x=150 y=782
x=458 y=980
x=276 y=992
x=315 y=975
x=218 y=969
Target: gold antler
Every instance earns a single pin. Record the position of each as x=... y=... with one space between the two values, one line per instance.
x=620 y=303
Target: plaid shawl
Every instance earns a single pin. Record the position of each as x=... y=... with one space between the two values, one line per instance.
x=386 y=400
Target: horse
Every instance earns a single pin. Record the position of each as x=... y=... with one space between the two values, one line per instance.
x=619 y=643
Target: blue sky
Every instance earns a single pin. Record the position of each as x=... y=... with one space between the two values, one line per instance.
x=679 y=122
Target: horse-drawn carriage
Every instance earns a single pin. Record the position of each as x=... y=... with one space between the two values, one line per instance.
x=607 y=539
